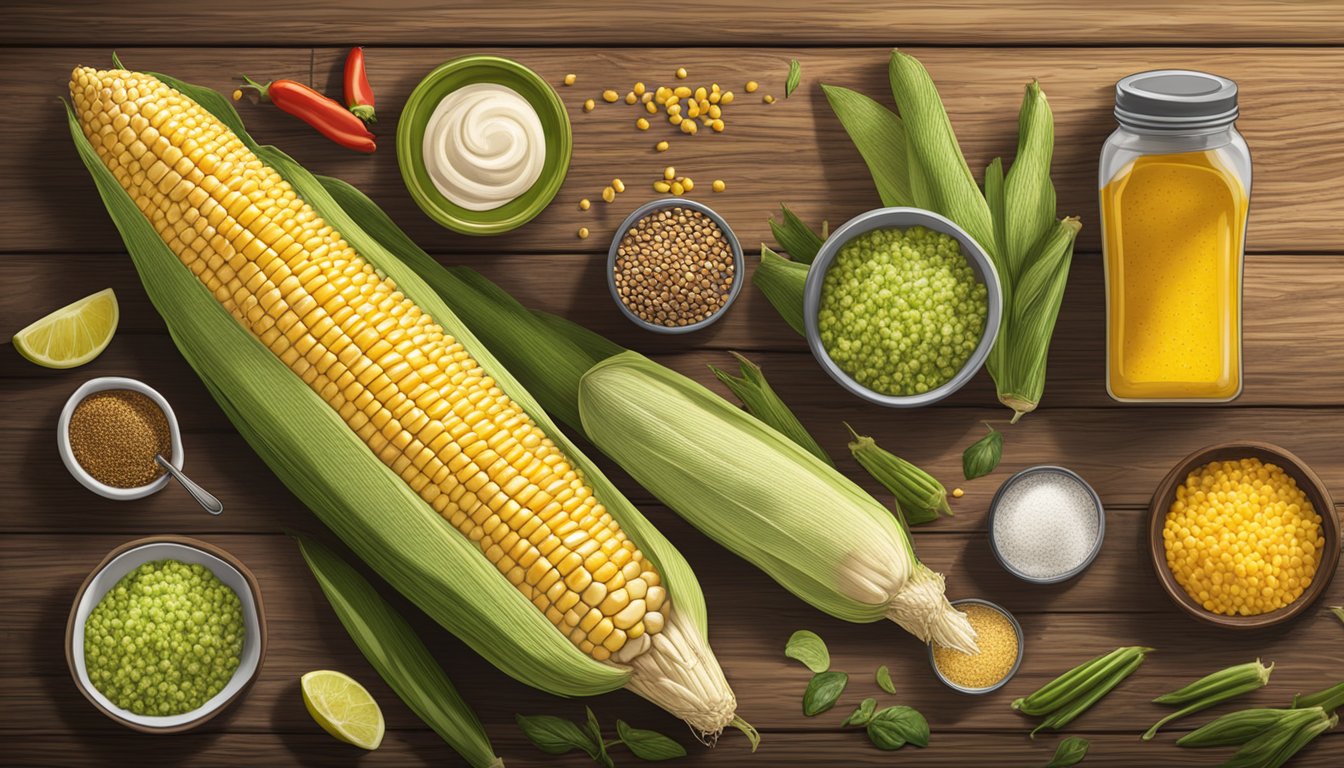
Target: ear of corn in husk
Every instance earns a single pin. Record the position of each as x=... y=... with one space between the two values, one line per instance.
x=782 y=282
x=765 y=498
x=762 y=402
x=879 y=578
x=243 y=253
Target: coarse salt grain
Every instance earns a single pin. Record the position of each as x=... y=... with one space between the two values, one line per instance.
x=1046 y=524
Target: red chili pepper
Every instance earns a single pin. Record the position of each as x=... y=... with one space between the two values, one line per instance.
x=328 y=116
x=358 y=94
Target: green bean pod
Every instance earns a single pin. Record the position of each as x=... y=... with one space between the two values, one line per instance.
x=1212 y=689
x=1063 y=717
x=1237 y=728
x=1075 y=682
x=1330 y=699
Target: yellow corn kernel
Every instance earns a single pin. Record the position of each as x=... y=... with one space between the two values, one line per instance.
x=677 y=188
x=571 y=79
x=661 y=146
x=681 y=73
x=681 y=92
x=718 y=186
x=661 y=186
x=726 y=98
x=651 y=108
x=674 y=119
x=642 y=124
x=589 y=105
x=618 y=185
x=584 y=204
x=768 y=99
x=688 y=184
x=717 y=125
x=631 y=98
x=583 y=233
x=608 y=194
x=639 y=89
x=751 y=86
x=610 y=96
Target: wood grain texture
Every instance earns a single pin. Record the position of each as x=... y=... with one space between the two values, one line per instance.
x=711 y=22
x=818 y=172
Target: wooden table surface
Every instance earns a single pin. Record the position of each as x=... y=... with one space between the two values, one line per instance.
x=57 y=244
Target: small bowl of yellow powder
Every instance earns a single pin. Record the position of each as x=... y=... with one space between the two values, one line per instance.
x=999 y=637
x=109 y=433
x=1243 y=535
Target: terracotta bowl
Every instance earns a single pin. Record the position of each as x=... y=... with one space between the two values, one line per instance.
x=1307 y=480
x=125 y=559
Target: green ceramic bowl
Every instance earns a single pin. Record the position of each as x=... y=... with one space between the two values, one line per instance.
x=447 y=78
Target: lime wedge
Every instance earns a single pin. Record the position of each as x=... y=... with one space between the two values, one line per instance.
x=343 y=708
x=72 y=335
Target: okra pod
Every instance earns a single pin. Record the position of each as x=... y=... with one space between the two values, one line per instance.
x=919 y=496
x=1330 y=699
x=1063 y=717
x=1278 y=744
x=1211 y=689
x=1237 y=728
x=1075 y=682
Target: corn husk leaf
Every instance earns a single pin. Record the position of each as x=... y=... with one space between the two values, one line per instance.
x=782 y=281
x=398 y=655
x=795 y=237
x=762 y=402
x=335 y=474
x=1037 y=297
x=765 y=498
x=879 y=136
x=595 y=345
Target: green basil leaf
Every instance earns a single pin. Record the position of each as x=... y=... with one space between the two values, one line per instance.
x=861 y=716
x=595 y=731
x=894 y=727
x=648 y=745
x=808 y=648
x=554 y=735
x=795 y=77
x=822 y=692
x=1070 y=751
x=884 y=680
x=982 y=457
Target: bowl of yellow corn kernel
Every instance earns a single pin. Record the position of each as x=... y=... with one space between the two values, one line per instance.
x=1243 y=535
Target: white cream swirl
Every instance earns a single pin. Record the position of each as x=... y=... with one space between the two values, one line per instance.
x=484 y=146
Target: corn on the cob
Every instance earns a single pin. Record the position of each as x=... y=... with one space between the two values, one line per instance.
x=411 y=392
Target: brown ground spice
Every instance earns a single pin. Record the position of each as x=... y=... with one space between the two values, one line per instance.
x=997 y=639
x=674 y=267
x=115 y=435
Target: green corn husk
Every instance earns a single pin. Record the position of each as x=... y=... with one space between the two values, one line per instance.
x=1212 y=689
x=762 y=402
x=796 y=238
x=764 y=498
x=325 y=464
x=879 y=135
x=783 y=282
x=398 y=655
x=919 y=497
x=1329 y=699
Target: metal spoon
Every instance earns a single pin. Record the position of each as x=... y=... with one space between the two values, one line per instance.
x=202 y=496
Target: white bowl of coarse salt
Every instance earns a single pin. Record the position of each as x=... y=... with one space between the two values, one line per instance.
x=1046 y=524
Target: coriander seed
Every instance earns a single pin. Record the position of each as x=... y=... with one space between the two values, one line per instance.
x=674 y=267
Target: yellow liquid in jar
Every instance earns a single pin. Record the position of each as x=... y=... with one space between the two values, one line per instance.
x=1174 y=229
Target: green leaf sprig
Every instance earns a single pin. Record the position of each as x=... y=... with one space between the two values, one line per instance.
x=795 y=77
x=884 y=680
x=1070 y=751
x=894 y=727
x=982 y=456
x=557 y=736
x=810 y=649
x=823 y=690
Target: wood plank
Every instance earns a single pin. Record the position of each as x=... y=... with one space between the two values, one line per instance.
x=1288 y=137
x=1291 y=303
x=733 y=22
x=750 y=619
x=402 y=748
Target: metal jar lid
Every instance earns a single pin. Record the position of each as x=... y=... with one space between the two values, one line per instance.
x=1175 y=99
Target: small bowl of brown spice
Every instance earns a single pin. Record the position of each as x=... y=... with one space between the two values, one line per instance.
x=109 y=433
x=674 y=266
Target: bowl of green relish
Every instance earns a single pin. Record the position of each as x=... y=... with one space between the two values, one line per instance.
x=902 y=306
x=165 y=633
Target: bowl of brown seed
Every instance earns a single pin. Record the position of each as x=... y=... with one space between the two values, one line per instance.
x=674 y=266
x=109 y=433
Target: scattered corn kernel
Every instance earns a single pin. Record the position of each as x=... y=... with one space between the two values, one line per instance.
x=751 y=87
x=674 y=119
x=589 y=105
x=718 y=185
x=687 y=184
x=689 y=127
x=651 y=108
x=583 y=233
x=957 y=493
x=631 y=98
x=646 y=98
x=692 y=110
x=717 y=125
x=677 y=188
x=608 y=194
x=768 y=99
x=669 y=173
x=726 y=98
x=682 y=92
x=618 y=185
x=571 y=79
x=1242 y=538
x=584 y=204
x=237 y=94
x=639 y=89
x=642 y=124
x=610 y=96
x=662 y=94
x=661 y=146
x=681 y=73
x=674 y=109
x=715 y=97
x=661 y=186
x=701 y=94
